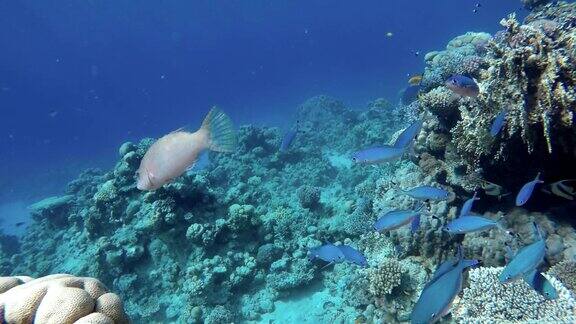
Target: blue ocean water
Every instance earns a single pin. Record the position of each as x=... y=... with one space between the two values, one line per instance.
x=79 y=78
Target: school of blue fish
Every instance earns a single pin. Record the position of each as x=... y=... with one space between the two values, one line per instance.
x=446 y=282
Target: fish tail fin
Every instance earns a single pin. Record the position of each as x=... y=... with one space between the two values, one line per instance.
x=221 y=132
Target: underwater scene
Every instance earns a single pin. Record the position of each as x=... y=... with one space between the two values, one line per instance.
x=288 y=162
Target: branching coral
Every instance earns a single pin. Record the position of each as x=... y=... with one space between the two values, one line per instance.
x=385 y=277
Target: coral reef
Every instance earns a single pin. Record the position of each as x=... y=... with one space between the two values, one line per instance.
x=487 y=300
x=229 y=242
x=526 y=69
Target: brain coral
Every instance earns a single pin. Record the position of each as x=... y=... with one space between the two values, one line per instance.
x=486 y=300
x=58 y=298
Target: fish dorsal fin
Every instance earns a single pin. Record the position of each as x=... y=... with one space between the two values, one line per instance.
x=181 y=129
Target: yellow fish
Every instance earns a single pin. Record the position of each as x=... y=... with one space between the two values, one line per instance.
x=415 y=80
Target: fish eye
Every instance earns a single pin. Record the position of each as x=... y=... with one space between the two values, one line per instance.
x=454 y=81
x=433 y=315
x=354 y=159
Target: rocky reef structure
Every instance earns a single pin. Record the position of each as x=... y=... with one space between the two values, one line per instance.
x=525 y=69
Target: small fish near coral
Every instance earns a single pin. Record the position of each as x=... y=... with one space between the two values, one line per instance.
x=426 y=193
x=526 y=259
x=397 y=218
x=462 y=85
x=171 y=155
x=288 y=138
x=436 y=298
x=376 y=155
x=336 y=254
x=526 y=191
x=498 y=123
x=467 y=206
x=472 y=223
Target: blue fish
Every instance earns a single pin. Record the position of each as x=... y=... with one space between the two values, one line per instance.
x=397 y=218
x=467 y=206
x=426 y=193
x=376 y=155
x=542 y=285
x=437 y=296
x=288 y=138
x=471 y=223
x=408 y=135
x=526 y=192
x=462 y=85
x=498 y=123
x=353 y=255
x=327 y=252
x=447 y=266
x=526 y=260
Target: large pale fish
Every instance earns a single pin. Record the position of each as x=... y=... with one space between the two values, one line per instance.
x=437 y=297
x=171 y=155
x=526 y=260
x=526 y=192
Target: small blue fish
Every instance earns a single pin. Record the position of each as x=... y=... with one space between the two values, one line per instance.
x=527 y=259
x=467 y=206
x=542 y=285
x=378 y=155
x=437 y=296
x=471 y=223
x=288 y=138
x=427 y=193
x=327 y=252
x=498 y=123
x=397 y=218
x=526 y=192
x=462 y=85
x=408 y=135
x=353 y=255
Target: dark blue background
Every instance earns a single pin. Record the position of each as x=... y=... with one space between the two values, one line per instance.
x=78 y=78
